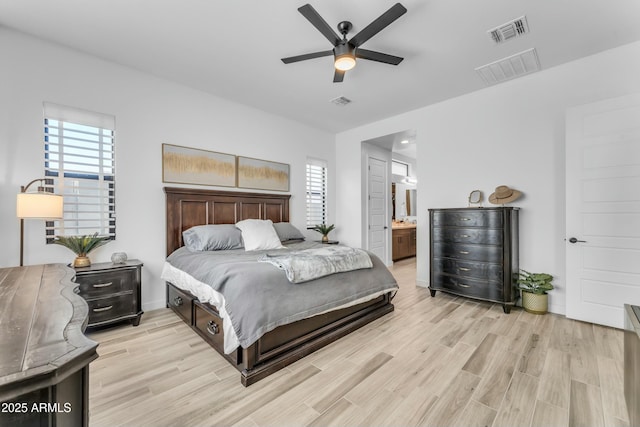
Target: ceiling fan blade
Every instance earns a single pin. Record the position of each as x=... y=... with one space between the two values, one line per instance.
x=395 y=12
x=316 y=20
x=306 y=56
x=378 y=56
x=338 y=76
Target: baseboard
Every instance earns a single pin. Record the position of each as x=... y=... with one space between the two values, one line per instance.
x=154 y=305
x=422 y=283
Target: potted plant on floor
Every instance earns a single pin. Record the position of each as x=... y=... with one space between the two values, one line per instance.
x=534 y=287
x=324 y=230
x=81 y=246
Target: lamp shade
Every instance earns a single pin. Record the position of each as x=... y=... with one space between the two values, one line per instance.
x=39 y=205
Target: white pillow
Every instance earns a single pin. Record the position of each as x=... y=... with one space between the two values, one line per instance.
x=259 y=234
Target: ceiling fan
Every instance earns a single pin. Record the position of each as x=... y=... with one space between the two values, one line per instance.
x=346 y=51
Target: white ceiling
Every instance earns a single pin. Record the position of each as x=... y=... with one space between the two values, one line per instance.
x=233 y=48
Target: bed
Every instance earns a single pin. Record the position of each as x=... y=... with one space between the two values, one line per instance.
x=279 y=345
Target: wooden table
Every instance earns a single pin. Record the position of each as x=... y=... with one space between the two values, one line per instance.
x=44 y=354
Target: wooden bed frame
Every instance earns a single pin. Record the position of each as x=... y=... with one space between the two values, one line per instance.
x=187 y=207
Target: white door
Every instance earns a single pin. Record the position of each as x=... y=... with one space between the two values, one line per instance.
x=377 y=198
x=603 y=209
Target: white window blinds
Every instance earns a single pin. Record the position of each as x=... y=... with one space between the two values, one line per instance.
x=316 y=192
x=79 y=156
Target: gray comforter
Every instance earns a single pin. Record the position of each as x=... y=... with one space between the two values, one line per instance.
x=258 y=296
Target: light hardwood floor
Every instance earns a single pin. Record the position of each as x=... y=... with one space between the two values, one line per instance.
x=442 y=361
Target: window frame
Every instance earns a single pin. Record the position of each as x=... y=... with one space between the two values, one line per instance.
x=316 y=198
x=79 y=155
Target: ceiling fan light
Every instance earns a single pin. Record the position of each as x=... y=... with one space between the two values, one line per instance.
x=345 y=62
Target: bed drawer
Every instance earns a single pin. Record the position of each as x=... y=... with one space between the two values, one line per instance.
x=180 y=302
x=208 y=324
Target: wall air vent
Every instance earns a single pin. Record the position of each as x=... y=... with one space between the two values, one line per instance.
x=341 y=101
x=510 y=30
x=510 y=67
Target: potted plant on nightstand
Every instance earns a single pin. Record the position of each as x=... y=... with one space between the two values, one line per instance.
x=534 y=287
x=324 y=230
x=81 y=246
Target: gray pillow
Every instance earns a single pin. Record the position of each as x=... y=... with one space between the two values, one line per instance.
x=286 y=231
x=212 y=237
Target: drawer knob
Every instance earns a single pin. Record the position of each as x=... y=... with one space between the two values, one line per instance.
x=464 y=252
x=98 y=310
x=177 y=301
x=464 y=269
x=212 y=327
x=102 y=285
x=462 y=285
x=465 y=219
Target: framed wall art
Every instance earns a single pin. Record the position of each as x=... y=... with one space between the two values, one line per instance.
x=186 y=165
x=262 y=174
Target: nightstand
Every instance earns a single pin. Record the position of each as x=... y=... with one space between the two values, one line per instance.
x=112 y=291
x=329 y=242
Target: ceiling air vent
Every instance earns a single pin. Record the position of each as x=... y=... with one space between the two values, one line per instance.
x=510 y=30
x=510 y=67
x=341 y=101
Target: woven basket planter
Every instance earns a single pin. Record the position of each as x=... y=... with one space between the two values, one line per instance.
x=535 y=303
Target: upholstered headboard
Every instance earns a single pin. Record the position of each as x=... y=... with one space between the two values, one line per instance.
x=187 y=207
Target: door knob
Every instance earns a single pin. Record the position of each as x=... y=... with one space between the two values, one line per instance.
x=574 y=240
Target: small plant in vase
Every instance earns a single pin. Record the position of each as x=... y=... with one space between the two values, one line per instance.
x=81 y=246
x=324 y=230
x=534 y=287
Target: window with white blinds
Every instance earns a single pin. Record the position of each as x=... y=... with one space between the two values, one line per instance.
x=316 y=192
x=79 y=155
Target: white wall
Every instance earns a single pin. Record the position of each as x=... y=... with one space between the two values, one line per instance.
x=149 y=111
x=510 y=134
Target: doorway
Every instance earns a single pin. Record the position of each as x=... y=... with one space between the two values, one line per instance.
x=387 y=211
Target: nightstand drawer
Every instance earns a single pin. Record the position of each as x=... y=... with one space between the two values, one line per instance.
x=108 y=309
x=107 y=283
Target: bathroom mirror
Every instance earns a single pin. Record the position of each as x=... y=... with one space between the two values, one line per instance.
x=404 y=201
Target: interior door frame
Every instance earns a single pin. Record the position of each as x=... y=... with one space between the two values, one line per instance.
x=370 y=150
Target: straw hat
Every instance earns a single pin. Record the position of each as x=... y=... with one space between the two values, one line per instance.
x=504 y=194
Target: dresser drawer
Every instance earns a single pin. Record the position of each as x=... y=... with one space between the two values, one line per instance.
x=468 y=269
x=180 y=302
x=106 y=283
x=467 y=218
x=468 y=287
x=478 y=235
x=486 y=253
x=110 y=308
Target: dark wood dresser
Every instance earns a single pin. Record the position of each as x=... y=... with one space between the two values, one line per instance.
x=474 y=253
x=44 y=355
x=113 y=291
